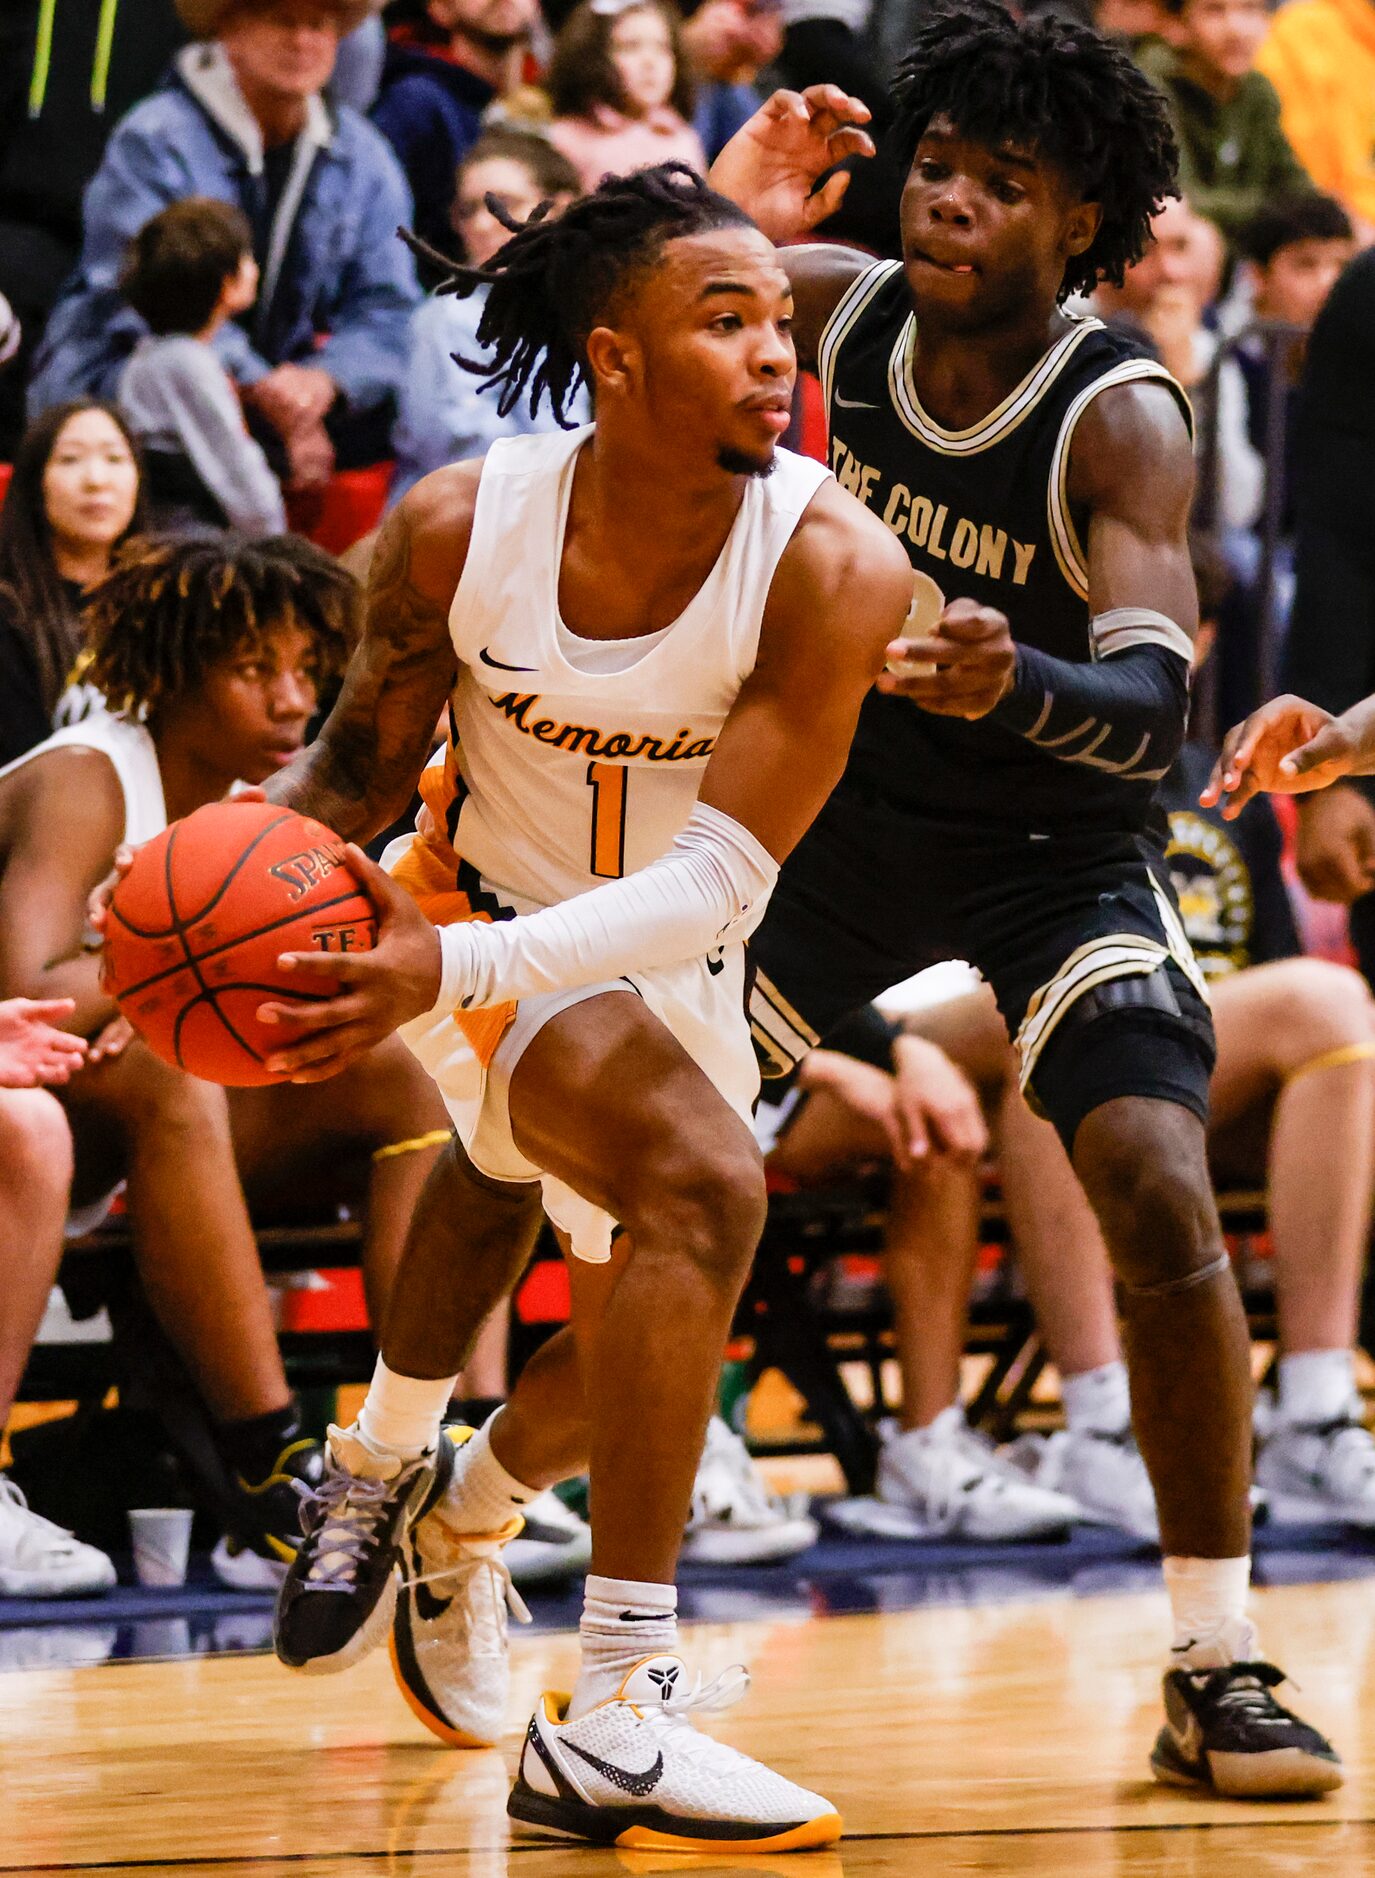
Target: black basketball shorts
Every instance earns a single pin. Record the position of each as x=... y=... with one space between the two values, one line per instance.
x=1077 y=933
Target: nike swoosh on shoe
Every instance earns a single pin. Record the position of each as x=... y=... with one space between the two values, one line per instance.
x=637 y=1785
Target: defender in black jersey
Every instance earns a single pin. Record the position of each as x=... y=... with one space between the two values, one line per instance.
x=998 y=805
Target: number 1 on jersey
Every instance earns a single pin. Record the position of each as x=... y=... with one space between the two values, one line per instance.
x=608 y=783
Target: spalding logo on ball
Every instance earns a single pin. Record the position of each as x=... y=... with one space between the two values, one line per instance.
x=195 y=929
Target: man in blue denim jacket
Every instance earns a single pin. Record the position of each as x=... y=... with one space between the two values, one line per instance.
x=241 y=117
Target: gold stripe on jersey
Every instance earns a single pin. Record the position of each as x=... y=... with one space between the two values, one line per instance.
x=1069 y=551
x=848 y=309
x=1001 y=421
x=781 y=1035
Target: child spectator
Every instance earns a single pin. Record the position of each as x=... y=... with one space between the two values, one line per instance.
x=1233 y=154
x=447 y=413
x=447 y=62
x=74 y=496
x=1320 y=57
x=621 y=92
x=189 y=270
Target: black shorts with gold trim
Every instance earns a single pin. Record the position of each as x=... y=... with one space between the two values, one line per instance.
x=1076 y=931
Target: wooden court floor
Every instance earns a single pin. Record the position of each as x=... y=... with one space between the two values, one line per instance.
x=989 y=1740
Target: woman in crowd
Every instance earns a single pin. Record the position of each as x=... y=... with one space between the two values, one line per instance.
x=621 y=91
x=76 y=493
x=447 y=414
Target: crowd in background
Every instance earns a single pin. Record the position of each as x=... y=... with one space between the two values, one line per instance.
x=207 y=319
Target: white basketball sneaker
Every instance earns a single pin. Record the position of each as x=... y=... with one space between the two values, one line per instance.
x=41 y=1560
x=448 y=1638
x=952 y=1486
x=735 y=1520
x=1103 y=1474
x=1320 y=1471
x=635 y=1772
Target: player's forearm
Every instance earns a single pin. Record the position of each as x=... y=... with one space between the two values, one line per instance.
x=343 y=781
x=709 y=890
x=1125 y=715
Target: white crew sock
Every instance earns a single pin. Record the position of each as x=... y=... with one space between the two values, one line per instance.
x=1316 y=1386
x=482 y=1496
x=1208 y=1602
x=1097 y=1401
x=623 y=1622
x=401 y=1414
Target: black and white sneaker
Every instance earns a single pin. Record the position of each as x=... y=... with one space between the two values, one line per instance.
x=337 y=1600
x=1224 y=1730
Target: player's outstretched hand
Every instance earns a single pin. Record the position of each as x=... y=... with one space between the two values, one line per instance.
x=1286 y=747
x=33 y=1051
x=962 y=669
x=378 y=990
x=772 y=164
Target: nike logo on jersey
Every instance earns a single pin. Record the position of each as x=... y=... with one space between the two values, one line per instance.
x=486 y=658
x=637 y=1785
x=854 y=404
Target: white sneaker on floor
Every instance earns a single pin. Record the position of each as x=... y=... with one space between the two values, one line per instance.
x=448 y=1637
x=735 y=1520
x=41 y=1560
x=635 y=1772
x=954 y=1487
x=552 y=1544
x=1319 y=1472
x=1102 y=1474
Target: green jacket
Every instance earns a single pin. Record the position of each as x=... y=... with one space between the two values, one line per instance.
x=1233 y=156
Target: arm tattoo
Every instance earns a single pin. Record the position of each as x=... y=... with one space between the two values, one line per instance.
x=360 y=773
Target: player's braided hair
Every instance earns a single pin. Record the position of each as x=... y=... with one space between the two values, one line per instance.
x=1052 y=85
x=559 y=276
x=170 y=608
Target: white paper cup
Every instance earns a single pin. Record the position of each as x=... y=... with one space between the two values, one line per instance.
x=162 y=1543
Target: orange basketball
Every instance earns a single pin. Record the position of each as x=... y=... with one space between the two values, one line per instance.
x=195 y=929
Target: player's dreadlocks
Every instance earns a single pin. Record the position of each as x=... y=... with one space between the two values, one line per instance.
x=171 y=608
x=559 y=276
x=1051 y=85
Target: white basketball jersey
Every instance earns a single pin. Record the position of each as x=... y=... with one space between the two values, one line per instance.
x=130 y=750
x=573 y=761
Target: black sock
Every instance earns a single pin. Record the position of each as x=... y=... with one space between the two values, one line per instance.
x=251 y=1448
x=473 y=1409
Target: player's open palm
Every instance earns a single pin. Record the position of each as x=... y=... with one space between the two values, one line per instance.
x=774 y=162
x=374 y=992
x=33 y=1050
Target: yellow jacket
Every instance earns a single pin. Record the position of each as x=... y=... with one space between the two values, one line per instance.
x=1320 y=57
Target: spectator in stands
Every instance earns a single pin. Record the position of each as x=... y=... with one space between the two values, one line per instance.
x=1162 y=302
x=73 y=497
x=727 y=44
x=1293 y=1110
x=37 y=1559
x=621 y=89
x=1330 y=655
x=209 y=652
x=879 y=1097
x=189 y=270
x=1233 y=156
x=1320 y=57
x=447 y=413
x=447 y=62
x=241 y=118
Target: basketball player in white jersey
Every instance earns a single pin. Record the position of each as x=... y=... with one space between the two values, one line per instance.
x=652 y=638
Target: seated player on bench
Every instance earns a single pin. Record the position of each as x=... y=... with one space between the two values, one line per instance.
x=209 y=653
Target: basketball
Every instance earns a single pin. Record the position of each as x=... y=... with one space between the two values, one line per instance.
x=195 y=929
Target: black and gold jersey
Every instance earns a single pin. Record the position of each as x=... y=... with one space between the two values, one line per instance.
x=984 y=514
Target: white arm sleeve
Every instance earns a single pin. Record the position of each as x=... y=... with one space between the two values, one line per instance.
x=710 y=888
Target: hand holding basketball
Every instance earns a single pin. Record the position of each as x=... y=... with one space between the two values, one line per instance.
x=397 y=980
x=966 y=666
